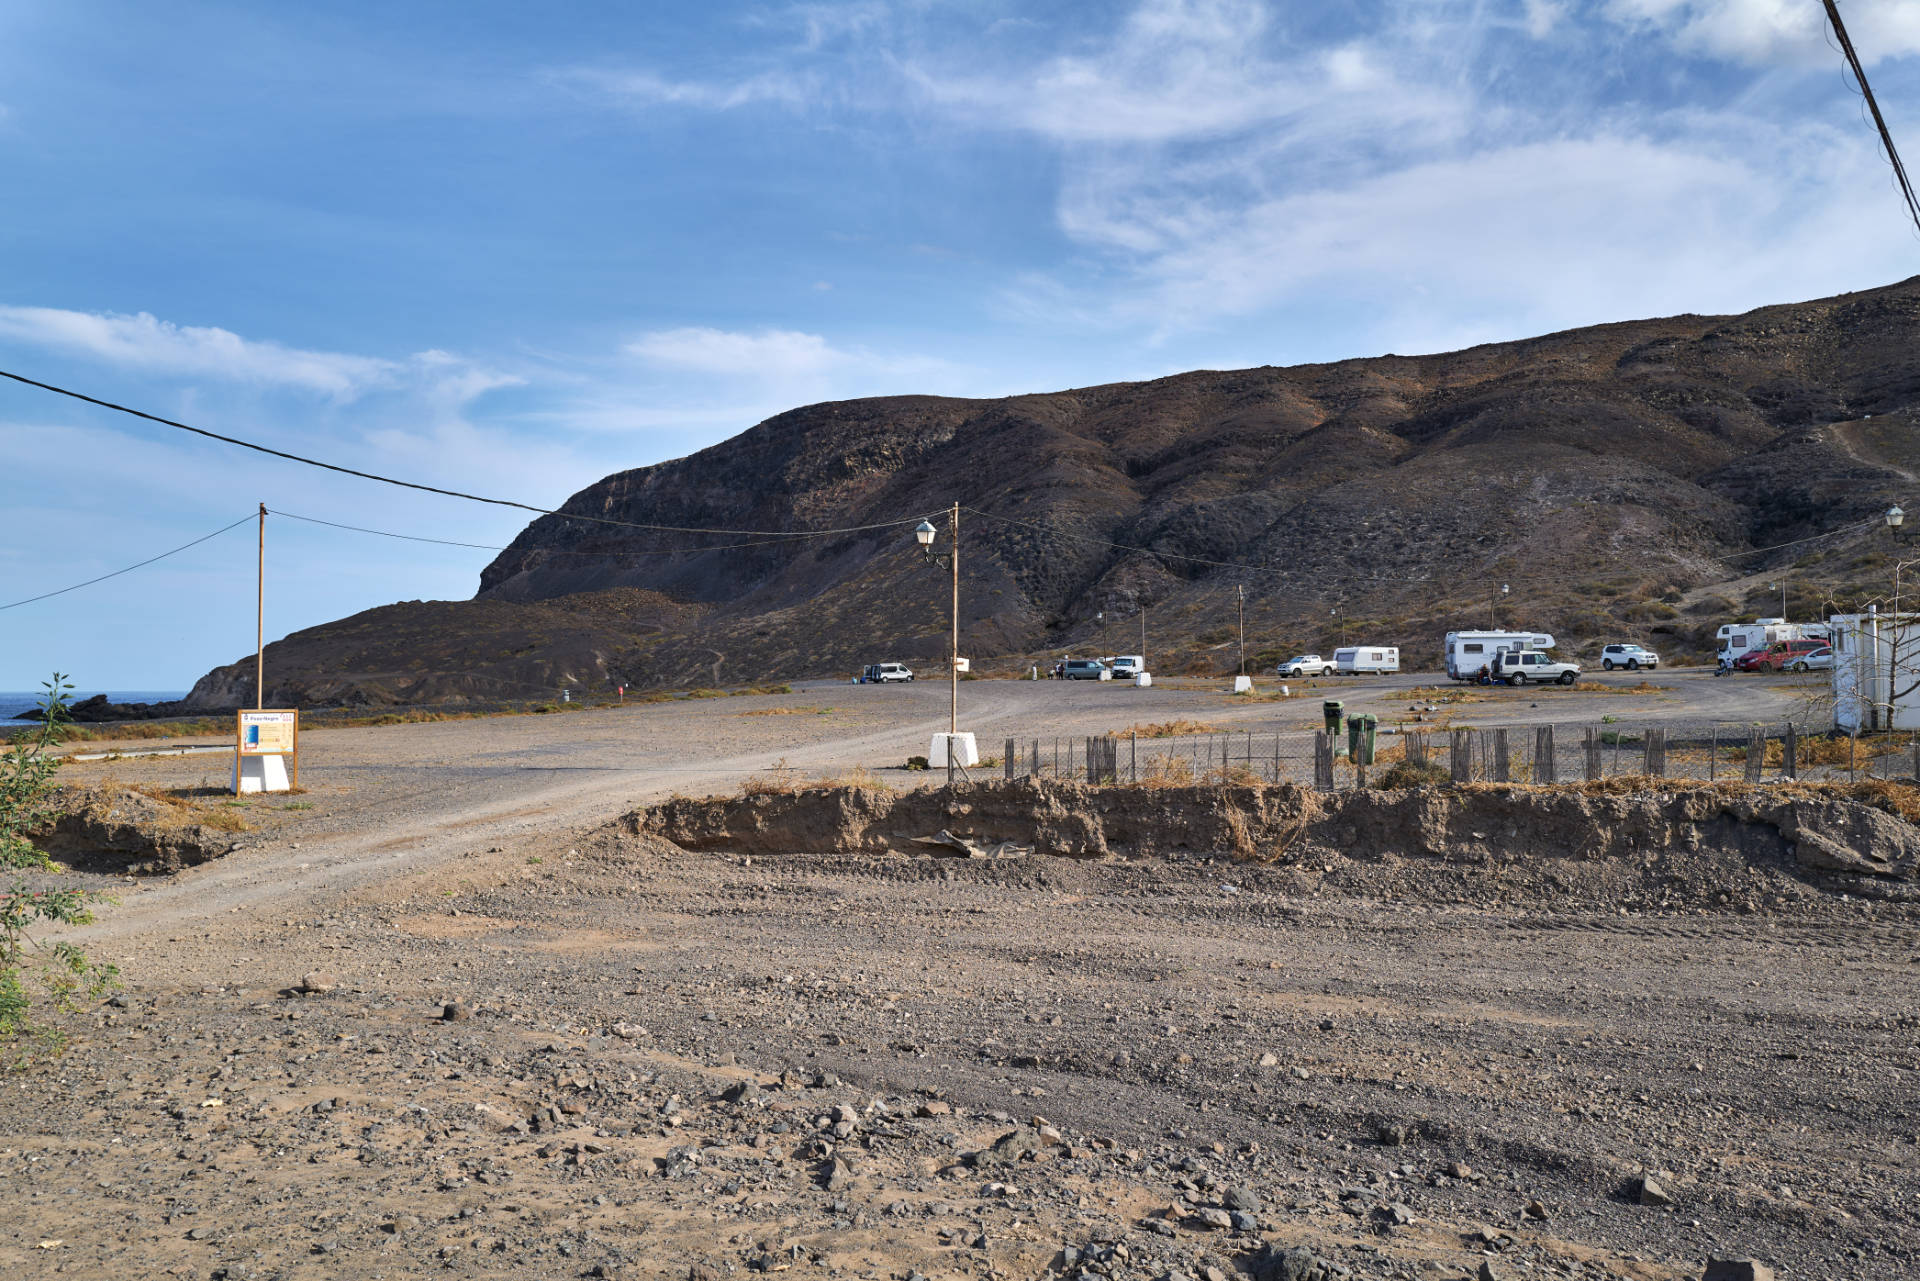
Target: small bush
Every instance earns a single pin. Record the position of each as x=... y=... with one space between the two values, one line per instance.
x=1405 y=774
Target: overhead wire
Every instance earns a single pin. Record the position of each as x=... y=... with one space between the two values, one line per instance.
x=550 y=551
x=250 y=516
x=1873 y=105
x=448 y=493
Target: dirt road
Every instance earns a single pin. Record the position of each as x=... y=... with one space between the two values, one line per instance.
x=1399 y=1084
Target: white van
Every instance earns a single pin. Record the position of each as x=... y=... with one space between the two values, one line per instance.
x=1468 y=652
x=1127 y=666
x=1365 y=659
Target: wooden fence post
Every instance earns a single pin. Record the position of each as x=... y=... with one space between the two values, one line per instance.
x=1790 y=752
x=1654 y=760
x=1756 y=753
x=1133 y=756
x=1713 y=755
x=1502 y=763
x=1322 y=760
x=1416 y=749
x=1543 y=754
x=1594 y=764
x=1461 y=750
x=1033 y=766
x=1007 y=760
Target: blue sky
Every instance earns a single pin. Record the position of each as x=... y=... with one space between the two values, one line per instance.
x=512 y=248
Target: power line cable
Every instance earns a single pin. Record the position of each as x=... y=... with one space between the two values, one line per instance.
x=449 y=493
x=551 y=551
x=129 y=569
x=1879 y=121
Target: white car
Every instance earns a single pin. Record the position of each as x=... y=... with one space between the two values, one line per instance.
x=1531 y=665
x=1305 y=665
x=1631 y=657
x=1820 y=660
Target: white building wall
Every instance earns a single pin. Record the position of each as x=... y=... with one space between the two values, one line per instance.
x=1876 y=672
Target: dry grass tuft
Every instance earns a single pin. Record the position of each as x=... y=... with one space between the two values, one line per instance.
x=787 y=711
x=1172 y=729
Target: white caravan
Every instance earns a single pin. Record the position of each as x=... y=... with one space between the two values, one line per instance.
x=1362 y=659
x=1735 y=639
x=1468 y=652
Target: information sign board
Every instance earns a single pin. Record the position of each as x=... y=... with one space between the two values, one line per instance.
x=266 y=750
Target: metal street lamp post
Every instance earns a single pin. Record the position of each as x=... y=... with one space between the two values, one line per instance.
x=924 y=533
x=1493 y=601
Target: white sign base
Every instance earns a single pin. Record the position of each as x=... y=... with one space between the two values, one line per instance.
x=1243 y=684
x=1143 y=679
x=262 y=774
x=964 y=751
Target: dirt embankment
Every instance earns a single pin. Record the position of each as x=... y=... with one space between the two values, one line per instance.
x=116 y=828
x=1655 y=847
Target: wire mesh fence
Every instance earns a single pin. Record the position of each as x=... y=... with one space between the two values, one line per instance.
x=1705 y=751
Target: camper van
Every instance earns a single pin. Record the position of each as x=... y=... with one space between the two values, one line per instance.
x=1736 y=639
x=1363 y=660
x=1468 y=652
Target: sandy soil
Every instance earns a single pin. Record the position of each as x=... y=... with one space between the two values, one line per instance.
x=665 y=1064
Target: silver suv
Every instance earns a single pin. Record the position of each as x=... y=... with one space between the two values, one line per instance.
x=1305 y=665
x=1631 y=657
x=1517 y=667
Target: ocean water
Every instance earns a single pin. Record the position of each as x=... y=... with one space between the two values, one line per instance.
x=13 y=702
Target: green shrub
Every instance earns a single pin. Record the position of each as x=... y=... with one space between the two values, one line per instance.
x=28 y=804
x=1404 y=774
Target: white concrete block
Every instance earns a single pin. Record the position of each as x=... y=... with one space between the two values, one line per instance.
x=1143 y=679
x=1243 y=684
x=964 y=752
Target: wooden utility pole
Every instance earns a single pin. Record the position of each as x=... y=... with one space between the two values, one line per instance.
x=953 y=668
x=260 y=620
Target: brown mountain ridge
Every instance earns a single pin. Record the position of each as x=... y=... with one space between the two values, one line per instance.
x=1624 y=479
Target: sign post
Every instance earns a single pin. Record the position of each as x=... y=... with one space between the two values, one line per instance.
x=266 y=751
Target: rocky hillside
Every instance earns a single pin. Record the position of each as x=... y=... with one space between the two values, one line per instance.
x=1624 y=479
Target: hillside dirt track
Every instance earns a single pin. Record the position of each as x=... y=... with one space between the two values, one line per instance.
x=1405 y=1081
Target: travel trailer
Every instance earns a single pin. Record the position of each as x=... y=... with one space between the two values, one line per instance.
x=1363 y=660
x=1468 y=652
x=1736 y=639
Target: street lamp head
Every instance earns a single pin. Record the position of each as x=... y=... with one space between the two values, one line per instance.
x=1894 y=517
x=1504 y=589
x=924 y=532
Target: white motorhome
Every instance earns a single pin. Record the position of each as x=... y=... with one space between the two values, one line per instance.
x=1876 y=671
x=1468 y=652
x=1365 y=659
x=1735 y=639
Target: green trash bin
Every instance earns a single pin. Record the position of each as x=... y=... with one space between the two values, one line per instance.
x=1360 y=734
x=1332 y=710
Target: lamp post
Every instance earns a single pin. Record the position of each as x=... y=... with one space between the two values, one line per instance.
x=924 y=533
x=1242 y=590
x=1782 y=585
x=1493 y=619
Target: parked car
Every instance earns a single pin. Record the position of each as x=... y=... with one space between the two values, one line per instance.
x=1631 y=657
x=885 y=673
x=1778 y=656
x=1820 y=660
x=1305 y=665
x=1518 y=667
x=1086 y=669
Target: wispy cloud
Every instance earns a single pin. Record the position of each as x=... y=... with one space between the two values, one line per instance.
x=1765 y=32
x=630 y=88
x=144 y=342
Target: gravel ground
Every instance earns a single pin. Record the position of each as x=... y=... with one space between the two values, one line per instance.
x=668 y=1064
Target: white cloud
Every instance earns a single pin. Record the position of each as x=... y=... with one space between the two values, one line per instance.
x=146 y=343
x=645 y=89
x=771 y=353
x=1765 y=32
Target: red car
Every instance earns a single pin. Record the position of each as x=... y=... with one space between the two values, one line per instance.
x=1777 y=657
